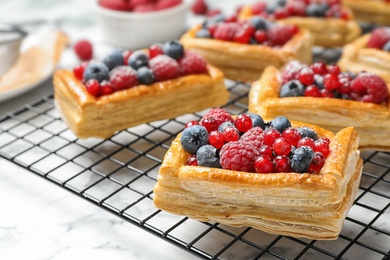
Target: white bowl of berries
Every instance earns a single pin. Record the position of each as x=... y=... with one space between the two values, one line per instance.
x=135 y=24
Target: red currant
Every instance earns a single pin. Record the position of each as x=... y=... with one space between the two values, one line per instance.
x=267 y=151
x=93 y=87
x=281 y=146
x=191 y=123
x=78 y=71
x=292 y=134
x=243 y=122
x=105 y=88
x=306 y=76
x=155 y=50
x=326 y=93
x=282 y=163
x=331 y=82
x=216 y=139
x=263 y=165
x=230 y=134
x=312 y=91
x=322 y=145
x=319 y=68
x=192 y=161
x=270 y=136
x=306 y=141
x=260 y=36
x=317 y=163
x=334 y=70
x=126 y=55
x=280 y=13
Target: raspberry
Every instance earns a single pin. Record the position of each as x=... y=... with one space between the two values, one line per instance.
x=118 y=5
x=192 y=63
x=145 y=8
x=165 y=4
x=378 y=38
x=213 y=118
x=199 y=7
x=226 y=31
x=123 y=77
x=278 y=35
x=83 y=50
x=164 y=68
x=134 y=3
x=254 y=136
x=238 y=156
x=368 y=87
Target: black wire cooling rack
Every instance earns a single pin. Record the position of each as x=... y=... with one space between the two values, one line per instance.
x=119 y=173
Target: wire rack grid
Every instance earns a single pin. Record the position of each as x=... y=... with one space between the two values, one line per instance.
x=118 y=175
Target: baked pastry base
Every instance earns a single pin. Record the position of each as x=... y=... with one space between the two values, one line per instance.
x=245 y=62
x=372 y=121
x=377 y=12
x=356 y=57
x=101 y=117
x=326 y=32
x=291 y=204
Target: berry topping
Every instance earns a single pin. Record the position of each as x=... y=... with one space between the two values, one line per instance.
x=192 y=63
x=256 y=120
x=216 y=139
x=173 y=49
x=226 y=31
x=282 y=163
x=92 y=87
x=254 y=136
x=123 y=77
x=78 y=71
x=317 y=163
x=193 y=138
x=138 y=59
x=155 y=50
x=165 y=4
x=96 y=70
x=214 y=118
x=301 y=159
x=207 y=156
x=278 y=34
x=145 y=75
x=292 y=88
x=280 y=123
x=305 y=131
x=263 y=164
x=379 y=37
x=164 y=68
x=113 y=60
x=83 y=50
x=238 y=156
x=199 y=7
x=368 y=87
x=192 y=161
x=243 y=122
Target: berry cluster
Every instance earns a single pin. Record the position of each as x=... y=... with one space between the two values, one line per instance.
x=126 y=69
x=138 y=6
x=380 y=39
x=256 y=30
x=328 y=81
x=280 y=9
x=247 y=143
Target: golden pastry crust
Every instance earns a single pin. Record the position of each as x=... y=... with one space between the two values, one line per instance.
x=101 y=117
x=369 y=11
x=327 y=32
x=293 y=204
x=356 y=57
x=372 y=121
x=246 y=62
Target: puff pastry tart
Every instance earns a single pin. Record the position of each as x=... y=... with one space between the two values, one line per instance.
x=370 y=11
x=236 y=185
x=368 y=53
x=325 y=96
x=100 y=98
x=330 y=23
x=243 y=50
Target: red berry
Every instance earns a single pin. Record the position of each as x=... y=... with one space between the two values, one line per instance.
x=192 y=63
x=192 y=161
x=282 y=163
x=334 y=70
x=191 y=123
x=123 y=77
x=278 y=35
x=105 y=88
x=296 y=8
x=260 y=36
x=145 y=8
x=213 y=118
x=319 y=68
x=281 y=146
x=317 y=163
x=325 y=93
x=312 y=91
x=216 y=139
x=199 y=7
x=306 y=76
x=258 y=8
x=322 y=145
x=78 y=71
x=230 y=134
x=331 y=82
x=270 y=136
x=267 y=151
x=280 y=13
x=244 y=34
x=83 y=50
x=231 y=19
x=368 y=87
x=254 y=136
x=226 y=31
x=165 y=4
x=263 y=165
x=213 y=12
x=238 y=156
x=345 y=84
x=306 y=141
x=243 y=123
x=126 y=55
x=379 y=37
x=291 y=71
x=164 y=68
x=118 y=5
x=93 y=87
x=155 y=50
x=292 y=134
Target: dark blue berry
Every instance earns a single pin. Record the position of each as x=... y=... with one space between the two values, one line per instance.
x=386 y=47
x=173 y=49
x=207 y=156
x=319 y=81
x=256 y=120
x=194 y=137
x=293 y=88
x=138 y=59
x=145 y=75
x=203 y=33
x=280 y=123
x=224 y=125
x=113 y=60
x=96 y=70
x=301 y=159
x=316 y=10
x=307 y=132
x=258 y=22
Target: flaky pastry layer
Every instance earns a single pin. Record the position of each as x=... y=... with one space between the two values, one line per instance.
x=89 y=116
x=326 y=32
x=372 y=121
x=377 y=12
x=356 y=57
x=245 y=62
x=293 y=204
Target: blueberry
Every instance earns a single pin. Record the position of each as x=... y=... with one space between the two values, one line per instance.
x=316 y=10
x=386 y=47
x=256 y=120
x=207 y=156
x=280 y=123
x=258 y=22
x=113 y=60
x=293 y=88
x=173 y=49
x=96 y=70
x=145 y=75
x=319 y=81
x=224 y=125
x=203 y=33
x=138 y=59
x=271 y=7
x=301 y=159
x=194 y=137
x=307 y=132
